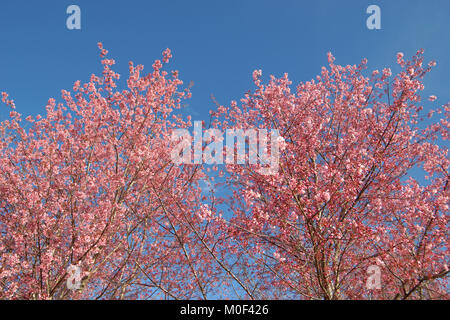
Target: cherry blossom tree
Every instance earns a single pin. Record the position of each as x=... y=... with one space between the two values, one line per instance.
x=91 y=185
x=362 y=184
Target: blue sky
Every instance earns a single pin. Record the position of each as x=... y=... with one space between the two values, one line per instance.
x=216 y=44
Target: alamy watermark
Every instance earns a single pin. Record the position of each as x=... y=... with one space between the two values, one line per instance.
x=190 y=149
x=74 y=20
x=374 y=280
x=374 y=20
x=74 y=277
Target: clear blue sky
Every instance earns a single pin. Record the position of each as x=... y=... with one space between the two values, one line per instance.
x=216 y=44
